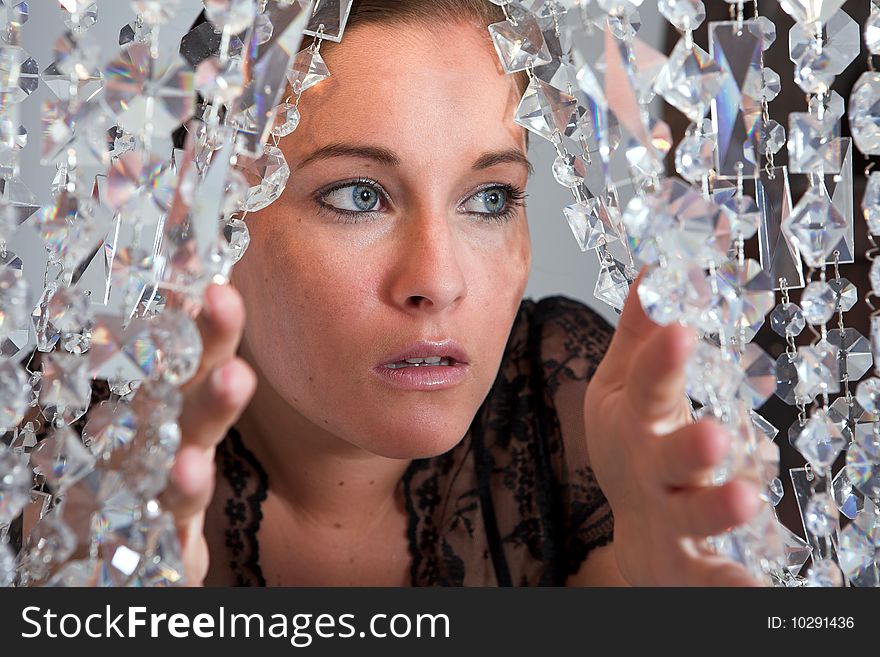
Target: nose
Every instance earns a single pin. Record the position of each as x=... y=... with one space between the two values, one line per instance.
x=427 y=274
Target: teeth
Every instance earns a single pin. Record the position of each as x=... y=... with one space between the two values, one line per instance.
x=432 y=360
x=420 y=362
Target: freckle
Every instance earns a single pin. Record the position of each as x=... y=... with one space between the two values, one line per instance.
x=351 y=560
x=341 y=483
x=372 y=482
x=326 y=421
x=337 y=525
x=311 y=379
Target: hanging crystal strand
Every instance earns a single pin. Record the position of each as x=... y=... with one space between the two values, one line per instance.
x=15 y=476
x=856 y=487
x=821 y=232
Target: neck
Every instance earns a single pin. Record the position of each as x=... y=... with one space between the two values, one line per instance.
x=324 y=481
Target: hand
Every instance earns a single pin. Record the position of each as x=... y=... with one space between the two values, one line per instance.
x=213 y=400
x=652 y=461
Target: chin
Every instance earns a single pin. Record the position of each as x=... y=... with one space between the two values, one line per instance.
x=413 y=439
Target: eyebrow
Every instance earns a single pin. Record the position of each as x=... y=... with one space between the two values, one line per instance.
x=389 y=158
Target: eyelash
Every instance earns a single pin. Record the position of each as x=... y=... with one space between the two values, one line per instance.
x=515 y=198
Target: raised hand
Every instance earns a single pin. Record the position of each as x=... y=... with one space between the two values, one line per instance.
x=652 y=462
x=213 y=400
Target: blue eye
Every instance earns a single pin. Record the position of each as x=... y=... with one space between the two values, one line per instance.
x=492 y=201
x=353 y=198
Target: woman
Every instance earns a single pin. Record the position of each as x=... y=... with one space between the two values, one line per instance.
x=401 y=234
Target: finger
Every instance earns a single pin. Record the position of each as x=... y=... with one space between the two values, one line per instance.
x=656 y=378
x=711 y=510
x=719 y=571
x=220 y=323
x=214 y=404
x=190 y=484
x=686 y=457
x=633 y=327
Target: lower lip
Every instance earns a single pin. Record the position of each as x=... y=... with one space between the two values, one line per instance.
x=424 y=377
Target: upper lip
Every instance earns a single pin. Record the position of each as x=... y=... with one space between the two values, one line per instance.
x=426 y=348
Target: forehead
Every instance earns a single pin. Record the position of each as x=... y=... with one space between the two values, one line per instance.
x=413 y=89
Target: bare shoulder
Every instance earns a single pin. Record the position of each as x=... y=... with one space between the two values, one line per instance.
x=598 y=569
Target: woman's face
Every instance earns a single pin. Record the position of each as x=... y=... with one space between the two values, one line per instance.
x=401 y=223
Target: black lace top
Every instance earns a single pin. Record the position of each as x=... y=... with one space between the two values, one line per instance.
x=514 y=503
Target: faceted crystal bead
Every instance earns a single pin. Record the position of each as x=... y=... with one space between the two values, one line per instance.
x=569 y=170
x=690 y=80
x=872 y=29
x=775 y=491
x=220 y=83
x=747 y=293
x=136 y=32
x=814 y=145
x=818 y=302
x=824 y=573
x=764 y=86
x=695 y=157
x=763 y=426
x=744 y=215
x=13 y=15
x=871 y=203
x=863 y=468
x=286 y=120
x=662 y=292
x=72 y=228
x=859 y=550
x=19 y=73
x=141 y=91
x=237 y=239
x=710 y=376
x=816 y=67
x=83 y=17
x=821 y=515
x=808 y=11
x=14 y=393
x=849 y=499
x=205 y=41
x=846 y=294
x=680 y=221
x=683 y=14
x=612 y=284
x=7 y=565
x=519 y=41
x=816 y=226
x=156 y=11
x=236 y=15
x=820 y=441
x=110 y=426
x=770 y=137
x=864 y=113
x=805 y=374
x=854 y=352
x=545 y=110
x=590 y=224
x=787 y=320
x=166 y=347
x=307 y=69
x=15 y=484
x=266 y=175
x=62 y=459
x=759 y=376
x=50 y=542
x=868 y=394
